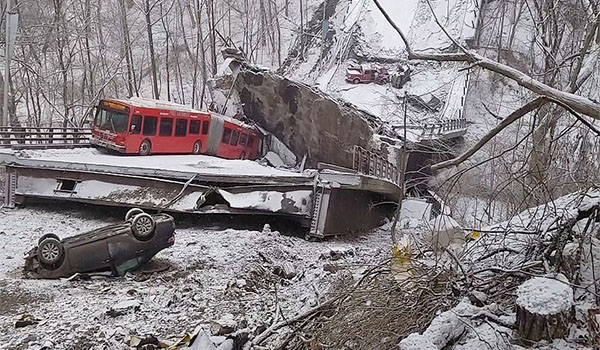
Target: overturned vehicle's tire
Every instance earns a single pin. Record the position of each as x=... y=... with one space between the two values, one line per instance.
x=142 y=226
x=132 y=212
x=50 y=252
x=47 y=235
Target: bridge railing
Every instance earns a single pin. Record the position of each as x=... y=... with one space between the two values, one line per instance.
x=370 y=163
x=44 y=137
x=433 y=129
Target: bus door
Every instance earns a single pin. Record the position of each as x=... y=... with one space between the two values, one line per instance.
x=164 y=142
x=149 y=130
x=181 y=143
x=215 y=133
x=134 y=135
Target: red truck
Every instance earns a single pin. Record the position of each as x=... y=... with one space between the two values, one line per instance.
x=366 y=74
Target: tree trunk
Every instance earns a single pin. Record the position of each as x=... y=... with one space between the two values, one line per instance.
x=200 y=47
x=167 y=36
x=544 y=309
x=210 y=12
x=60 y=48
x=301 y=31
x=147 y=11
x=131 y=85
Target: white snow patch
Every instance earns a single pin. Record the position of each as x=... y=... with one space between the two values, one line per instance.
x=545 y=296
x=445 y=328
x=186 y=163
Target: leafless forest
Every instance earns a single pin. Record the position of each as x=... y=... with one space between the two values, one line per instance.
x=504 y=249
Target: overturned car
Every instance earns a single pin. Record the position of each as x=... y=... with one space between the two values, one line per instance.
x=116 y=248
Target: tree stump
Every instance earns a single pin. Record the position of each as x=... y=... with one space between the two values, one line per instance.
x=544 y=308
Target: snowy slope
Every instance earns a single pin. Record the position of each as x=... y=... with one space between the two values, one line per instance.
x=367 y=34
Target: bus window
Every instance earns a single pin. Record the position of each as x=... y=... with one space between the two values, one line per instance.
x=149 y=128
x=136 y=124
x=195 y=127
x=250 y=141
x=226 y=135
x=205 y=126
x=180 y=127
x=110 y=120
x=243 y=138
x=235 y=138
x=166 y=127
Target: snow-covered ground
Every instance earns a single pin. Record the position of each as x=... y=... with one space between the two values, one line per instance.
x=212 y=270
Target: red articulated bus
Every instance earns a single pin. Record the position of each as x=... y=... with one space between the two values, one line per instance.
x=144 y=126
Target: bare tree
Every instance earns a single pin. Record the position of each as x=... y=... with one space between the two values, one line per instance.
x=154 y=69
x=131 y=80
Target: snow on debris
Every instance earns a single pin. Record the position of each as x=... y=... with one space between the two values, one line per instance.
x=185 y=163
x=449 y=325
x=545 y=296
x=545 y=216
x=458 y=323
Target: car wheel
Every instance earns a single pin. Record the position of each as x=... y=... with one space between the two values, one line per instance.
x=132 y=212
x=356 y=81
x=48 y=235
x=145 y=148
x=143 y=226
x=50 y=252
x=197 y=147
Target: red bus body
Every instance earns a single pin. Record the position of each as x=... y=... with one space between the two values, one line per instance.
x=143 y=126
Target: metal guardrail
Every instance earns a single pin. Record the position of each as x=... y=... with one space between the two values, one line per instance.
x=444 y=127
x=39 y=137
x=371 y=163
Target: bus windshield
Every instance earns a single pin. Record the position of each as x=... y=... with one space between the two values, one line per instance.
x=110 y=120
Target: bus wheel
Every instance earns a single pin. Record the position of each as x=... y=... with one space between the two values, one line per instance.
x=197 y=147
x=145 y=148
x=243 y=155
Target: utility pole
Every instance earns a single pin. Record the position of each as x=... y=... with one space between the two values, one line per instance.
x=4 y=121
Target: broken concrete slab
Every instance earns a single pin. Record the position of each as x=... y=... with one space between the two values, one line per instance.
x=274 y=159
x=202 y=342
x=224 y=325
x=305 y=119
x=123 y=307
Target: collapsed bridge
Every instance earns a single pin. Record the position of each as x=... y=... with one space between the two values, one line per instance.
x=327 y=201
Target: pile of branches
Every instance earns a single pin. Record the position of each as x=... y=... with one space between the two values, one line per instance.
x=379 y=309
x=383 y=310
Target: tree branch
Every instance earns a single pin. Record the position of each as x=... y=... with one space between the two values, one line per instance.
x=576 y=115
x=575 y=102
x=538 y=102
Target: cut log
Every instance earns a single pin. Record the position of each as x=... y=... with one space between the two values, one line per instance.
x=544 y=308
